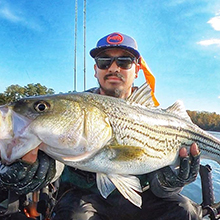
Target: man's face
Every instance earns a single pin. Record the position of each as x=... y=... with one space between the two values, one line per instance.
x=116 y=81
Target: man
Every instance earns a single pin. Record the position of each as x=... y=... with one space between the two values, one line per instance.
x=117 y=65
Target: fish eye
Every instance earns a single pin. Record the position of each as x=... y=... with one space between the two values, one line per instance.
x=41 y=106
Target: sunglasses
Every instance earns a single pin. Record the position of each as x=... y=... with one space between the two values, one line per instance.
x=122 y=62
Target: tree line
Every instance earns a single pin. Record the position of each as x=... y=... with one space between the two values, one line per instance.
x=209 y=121
x=16 y=92
x=205 y=120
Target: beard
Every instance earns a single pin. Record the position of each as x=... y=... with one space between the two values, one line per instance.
x=114 y=92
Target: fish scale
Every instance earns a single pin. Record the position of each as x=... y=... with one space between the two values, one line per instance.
x=146 y=132
x=130 y=132
x=170 y=140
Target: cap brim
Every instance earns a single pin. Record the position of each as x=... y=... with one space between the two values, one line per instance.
x=94 y=52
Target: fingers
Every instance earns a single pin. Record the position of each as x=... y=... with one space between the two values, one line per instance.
x=188 y=169
x=189 y=165
x=194 y=149
x=183 y=152
x=51 y=170
x=184 y=170
x=43 y=165
x=195 y=161
x=17 y=171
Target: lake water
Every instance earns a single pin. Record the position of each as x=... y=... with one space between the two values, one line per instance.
x=193 y=190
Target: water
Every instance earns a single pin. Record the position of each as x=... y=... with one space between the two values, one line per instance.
x=193 y=190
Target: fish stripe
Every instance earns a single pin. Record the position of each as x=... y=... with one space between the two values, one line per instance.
x=146 y=132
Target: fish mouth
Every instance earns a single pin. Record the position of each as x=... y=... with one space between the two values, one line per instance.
x=14 y=137
x=12 y=124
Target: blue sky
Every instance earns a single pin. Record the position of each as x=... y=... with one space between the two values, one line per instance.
x=179 y=39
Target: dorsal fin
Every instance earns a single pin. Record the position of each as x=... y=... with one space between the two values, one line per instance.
x=142 y=96
x=178 y=109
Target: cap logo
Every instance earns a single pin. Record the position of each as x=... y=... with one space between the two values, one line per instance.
x=115 y=38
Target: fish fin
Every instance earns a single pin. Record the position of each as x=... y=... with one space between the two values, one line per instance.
x=104 y=184
x=178 y=108
x=142 y=96
x=128 y=185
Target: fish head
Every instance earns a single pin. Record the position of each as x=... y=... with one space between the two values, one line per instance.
x=15 y=119
x=11 y=125
x=64 y=123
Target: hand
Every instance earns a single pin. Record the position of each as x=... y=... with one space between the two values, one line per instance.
x=22 y=177
x=188 y=170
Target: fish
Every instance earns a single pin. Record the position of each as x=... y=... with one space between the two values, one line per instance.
x=115 y=138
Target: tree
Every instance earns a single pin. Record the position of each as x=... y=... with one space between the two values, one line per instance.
x=205 y=120
x=16 y=92
x=37 y=89
x=2 y=99
x=13 y=93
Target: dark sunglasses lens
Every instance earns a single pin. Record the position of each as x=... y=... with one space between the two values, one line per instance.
x=124 y=62
x=103 y=62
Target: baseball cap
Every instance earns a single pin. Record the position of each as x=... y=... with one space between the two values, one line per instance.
x=116 y=40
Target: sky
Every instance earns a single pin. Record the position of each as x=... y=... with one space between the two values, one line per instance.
x=179 y=39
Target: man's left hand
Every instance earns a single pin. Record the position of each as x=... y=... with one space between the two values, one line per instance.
x=188 y=170
x=165 y=182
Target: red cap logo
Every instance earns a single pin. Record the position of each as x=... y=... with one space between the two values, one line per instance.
x=115 y=38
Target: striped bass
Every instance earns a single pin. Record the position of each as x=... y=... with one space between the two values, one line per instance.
x=115 y=138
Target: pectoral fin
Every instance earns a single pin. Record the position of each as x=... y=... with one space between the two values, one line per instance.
x=127 y=185
x=104 y=184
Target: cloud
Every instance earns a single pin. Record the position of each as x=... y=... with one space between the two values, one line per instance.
x=215 y=23
x=9 y=15
x=17 y=16
x=209 y=42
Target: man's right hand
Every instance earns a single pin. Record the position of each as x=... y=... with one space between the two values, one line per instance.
x=22 y=177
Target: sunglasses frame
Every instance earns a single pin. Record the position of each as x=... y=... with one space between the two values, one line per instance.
x=117 y=60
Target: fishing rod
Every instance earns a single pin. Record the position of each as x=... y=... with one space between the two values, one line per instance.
x=75 y=45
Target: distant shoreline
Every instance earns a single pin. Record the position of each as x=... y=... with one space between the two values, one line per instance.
x=205 y=120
